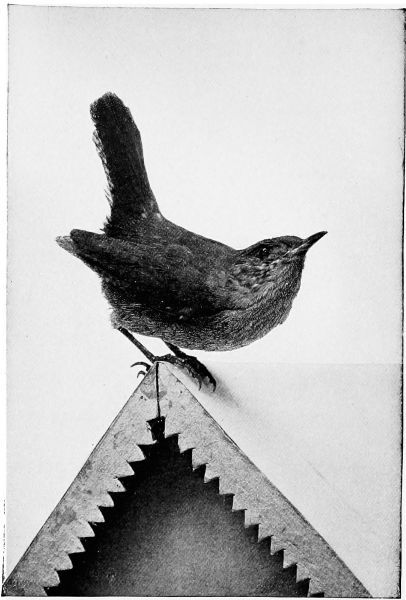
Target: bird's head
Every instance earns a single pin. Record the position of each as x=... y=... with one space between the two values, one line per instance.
x=284 y=248
x=274 y=261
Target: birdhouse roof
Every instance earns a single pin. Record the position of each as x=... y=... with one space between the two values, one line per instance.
x=183 y=416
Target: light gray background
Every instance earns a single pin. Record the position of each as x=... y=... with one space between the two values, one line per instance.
x=255 y=124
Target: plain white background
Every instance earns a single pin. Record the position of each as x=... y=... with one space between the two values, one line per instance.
x=254 y=124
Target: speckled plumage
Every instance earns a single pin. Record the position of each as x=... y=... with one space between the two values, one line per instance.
x=164 y=281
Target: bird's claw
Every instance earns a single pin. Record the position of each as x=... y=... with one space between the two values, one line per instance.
x=198 y=371
x=142 y=364
x=193 y=367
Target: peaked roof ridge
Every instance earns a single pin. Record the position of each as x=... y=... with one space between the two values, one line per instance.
x=263 y=504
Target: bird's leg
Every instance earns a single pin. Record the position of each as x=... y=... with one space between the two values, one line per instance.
x=140 y=347
x=195 y=368
x=193 y=365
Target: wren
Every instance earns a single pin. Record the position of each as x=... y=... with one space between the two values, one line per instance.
x=164 y=281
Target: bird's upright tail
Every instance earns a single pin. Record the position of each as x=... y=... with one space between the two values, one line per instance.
x=118 y=142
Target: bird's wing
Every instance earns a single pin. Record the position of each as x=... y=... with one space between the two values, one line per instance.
x=118 y=142
x=165 y=279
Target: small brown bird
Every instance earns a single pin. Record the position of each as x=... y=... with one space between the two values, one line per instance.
x=164 y=281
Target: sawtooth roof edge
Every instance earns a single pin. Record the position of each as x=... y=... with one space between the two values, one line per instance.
x=264 y=505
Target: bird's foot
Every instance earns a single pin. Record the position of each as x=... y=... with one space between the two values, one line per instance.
x=194 y=367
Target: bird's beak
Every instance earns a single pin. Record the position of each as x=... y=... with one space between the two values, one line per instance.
x=314 y=238
x=308 y=242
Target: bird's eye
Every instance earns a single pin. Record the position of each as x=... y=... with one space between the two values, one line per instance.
x=262 y=252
